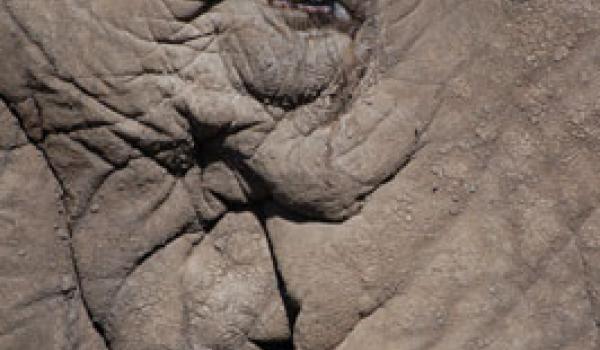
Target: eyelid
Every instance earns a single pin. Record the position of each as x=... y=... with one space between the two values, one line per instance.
x=340 y=12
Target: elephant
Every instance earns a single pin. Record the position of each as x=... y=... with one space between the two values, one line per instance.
x=299 y=174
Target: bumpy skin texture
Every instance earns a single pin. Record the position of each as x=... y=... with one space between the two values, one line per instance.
x=179 y=174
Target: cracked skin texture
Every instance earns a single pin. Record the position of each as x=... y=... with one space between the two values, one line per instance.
x=224 y=175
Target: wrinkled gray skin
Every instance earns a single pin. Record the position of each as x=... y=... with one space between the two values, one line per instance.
x=179 y=174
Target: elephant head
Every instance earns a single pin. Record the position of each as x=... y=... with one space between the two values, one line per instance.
x=265 y=174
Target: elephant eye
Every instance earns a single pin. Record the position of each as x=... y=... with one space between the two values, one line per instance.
x=303 y=14
x=330 y=8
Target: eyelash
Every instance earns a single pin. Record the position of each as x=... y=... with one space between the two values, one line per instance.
x=333 y=9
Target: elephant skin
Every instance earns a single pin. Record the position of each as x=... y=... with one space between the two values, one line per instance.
x=310 y=175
